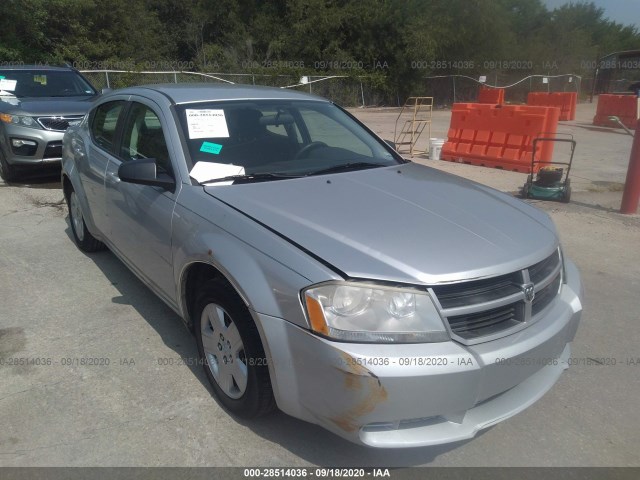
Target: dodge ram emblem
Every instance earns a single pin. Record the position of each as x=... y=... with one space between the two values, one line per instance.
x=529 y=292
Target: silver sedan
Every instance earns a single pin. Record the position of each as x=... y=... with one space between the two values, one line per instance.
x=322 y=273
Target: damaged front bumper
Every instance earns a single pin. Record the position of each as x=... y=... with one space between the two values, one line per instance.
x=413 y=395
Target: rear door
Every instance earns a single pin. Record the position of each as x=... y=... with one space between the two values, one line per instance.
x=140 y=216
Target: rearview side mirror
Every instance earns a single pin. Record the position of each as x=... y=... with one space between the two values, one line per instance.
x=144 y=172
x=391 y=144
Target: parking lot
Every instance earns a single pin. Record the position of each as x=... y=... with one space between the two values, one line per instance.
x=111 y=379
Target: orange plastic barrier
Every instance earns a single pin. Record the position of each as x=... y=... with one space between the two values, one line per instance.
x=494 y=96
x=574 y=102
x=625 y=107
x=565 y=101
x=500 y=137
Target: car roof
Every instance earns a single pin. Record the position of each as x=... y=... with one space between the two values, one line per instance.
x=35 y=67
x=203 y=92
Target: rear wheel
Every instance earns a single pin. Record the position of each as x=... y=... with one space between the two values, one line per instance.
x=7 y=171
x=81 y=235
x=231 y=351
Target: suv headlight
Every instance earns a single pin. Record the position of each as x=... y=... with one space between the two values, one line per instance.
x=358 y=312
x=23 y=121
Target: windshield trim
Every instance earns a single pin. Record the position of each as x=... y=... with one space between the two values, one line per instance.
x=252 y=99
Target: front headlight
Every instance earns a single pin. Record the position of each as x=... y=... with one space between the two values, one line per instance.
x=358 y=312
x=19 y=120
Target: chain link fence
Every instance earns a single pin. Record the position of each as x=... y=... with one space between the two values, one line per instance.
x=362 y=91
x=449 y=89
x=346 y=91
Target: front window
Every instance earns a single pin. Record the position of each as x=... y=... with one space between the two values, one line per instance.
x=45 y=83
x=288 y=138
x=143 y=137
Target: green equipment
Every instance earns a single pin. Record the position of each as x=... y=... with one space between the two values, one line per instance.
x=551 y=183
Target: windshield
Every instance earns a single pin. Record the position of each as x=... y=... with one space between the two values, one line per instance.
x=286 y=138
x=44 y=83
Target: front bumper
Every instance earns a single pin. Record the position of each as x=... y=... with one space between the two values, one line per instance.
x=419 y=394
x=48 y=148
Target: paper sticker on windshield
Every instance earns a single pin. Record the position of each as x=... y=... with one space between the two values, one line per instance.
x=209 y=147
x=8 y=85
x=207 y=124
x=41 y=79
x=209 y=171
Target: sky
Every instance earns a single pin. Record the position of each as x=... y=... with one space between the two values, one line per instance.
x=626 y=12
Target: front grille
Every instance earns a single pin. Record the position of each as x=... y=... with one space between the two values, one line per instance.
x=478 y=291
x=543 y=269
x=487 y=322
x=545 y=296
x=53 y=150
x=59 y=124
x=489 y=307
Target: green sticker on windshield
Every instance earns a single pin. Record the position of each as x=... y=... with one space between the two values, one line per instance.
x=209 y=147
x=1 y=77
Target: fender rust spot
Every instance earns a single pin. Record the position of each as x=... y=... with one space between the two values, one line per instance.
x=359 y=379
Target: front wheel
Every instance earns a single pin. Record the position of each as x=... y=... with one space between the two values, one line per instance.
x=231 y=351
x=7 y=171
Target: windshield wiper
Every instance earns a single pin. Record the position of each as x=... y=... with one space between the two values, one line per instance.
x=346 y=167
x=250 y=177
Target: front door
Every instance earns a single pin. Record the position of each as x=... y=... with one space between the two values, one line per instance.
x=140 y=216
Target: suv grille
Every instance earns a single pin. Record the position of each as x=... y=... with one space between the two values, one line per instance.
x=496 y=306
x=59 y=124
x=53 y=150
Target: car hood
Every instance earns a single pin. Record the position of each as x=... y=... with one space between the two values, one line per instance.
x=51 y=106
x=408 y=223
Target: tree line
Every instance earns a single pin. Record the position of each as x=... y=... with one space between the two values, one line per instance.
x=393 y=42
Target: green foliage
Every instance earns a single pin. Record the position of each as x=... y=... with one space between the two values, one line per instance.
x=393 y=43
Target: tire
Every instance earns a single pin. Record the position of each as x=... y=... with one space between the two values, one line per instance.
x=231 y=351
x=7 y=171
x=81 y=235
x=525 y=191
